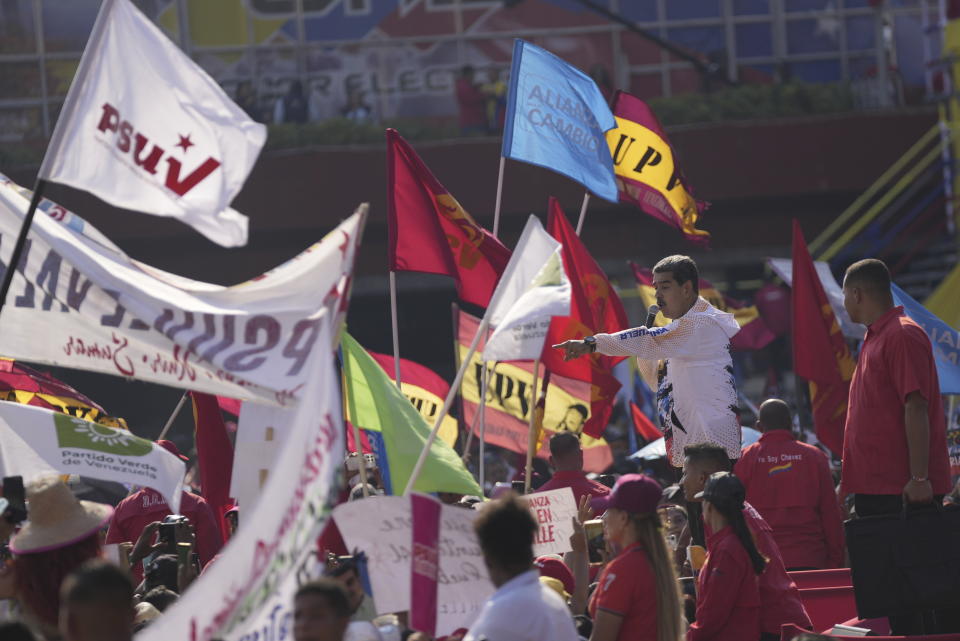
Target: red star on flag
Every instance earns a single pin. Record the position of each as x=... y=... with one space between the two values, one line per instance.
x=185 y=142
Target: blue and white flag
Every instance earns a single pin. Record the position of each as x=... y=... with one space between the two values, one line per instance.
x=945 y=339
x=556 y=118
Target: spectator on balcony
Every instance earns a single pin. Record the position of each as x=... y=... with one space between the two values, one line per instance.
x=292 y=107
x=472 y=103
x=356 y=110
x=791 y=485
x=246 y=99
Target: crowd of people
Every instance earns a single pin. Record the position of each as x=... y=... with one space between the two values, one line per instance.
x=705 y=553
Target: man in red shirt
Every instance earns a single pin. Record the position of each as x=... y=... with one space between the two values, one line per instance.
x=566 y=458
x=779 y=597
x=895 y=438
x=140 y=509
x=790 y=485
x=472 y=103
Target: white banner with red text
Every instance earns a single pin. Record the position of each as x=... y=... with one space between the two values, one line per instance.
x=247 y=593
x=77 y=301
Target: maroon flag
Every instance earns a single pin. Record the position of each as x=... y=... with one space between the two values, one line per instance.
x=214 y=456
x=430 y=232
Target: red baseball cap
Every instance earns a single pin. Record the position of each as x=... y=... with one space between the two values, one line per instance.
x=556 y=569
x=634 y=493
x=170 y=447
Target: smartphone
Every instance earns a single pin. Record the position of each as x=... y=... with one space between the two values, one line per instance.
x=13 y=492
x=595 y=542
x=167 y=536
x=517 y=486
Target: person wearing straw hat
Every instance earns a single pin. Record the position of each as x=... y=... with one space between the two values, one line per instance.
x=60 y=534
x=728 y=587
x=621 y=606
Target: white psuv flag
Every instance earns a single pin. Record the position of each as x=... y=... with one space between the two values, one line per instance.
x=144 y=127
x=534 y=288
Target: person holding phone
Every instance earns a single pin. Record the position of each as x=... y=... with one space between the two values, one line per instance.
x=637 y=596
x=728 y=586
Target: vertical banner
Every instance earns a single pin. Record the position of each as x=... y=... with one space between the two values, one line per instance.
x=425 y=561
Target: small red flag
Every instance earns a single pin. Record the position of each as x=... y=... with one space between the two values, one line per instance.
x=214 y=456
x=820 y=353
x=430 y=232
x=594 y=308
x=644 y=425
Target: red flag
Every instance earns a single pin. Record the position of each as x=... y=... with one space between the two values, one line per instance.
x=644 y=425
x=820 y=353
x=230 y=405
x=594 y=308
x=430 y=232
x=214 y=455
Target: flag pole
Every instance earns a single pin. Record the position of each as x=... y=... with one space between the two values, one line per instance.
x=481 y=330
x=173 y=416
x=56 y=140
x=396 y=331
x=496 y=209
x=532 y=436
x=583 y=211
x=482 y=414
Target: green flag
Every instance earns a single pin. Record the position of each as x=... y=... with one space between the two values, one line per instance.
x=374 y=403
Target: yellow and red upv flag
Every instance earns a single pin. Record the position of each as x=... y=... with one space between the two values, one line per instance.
x=510 y=400
x=646 y=169
x=820 y=353
x=430 y=232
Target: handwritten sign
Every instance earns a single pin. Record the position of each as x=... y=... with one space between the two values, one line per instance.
x=553 y=512
x=382 y=527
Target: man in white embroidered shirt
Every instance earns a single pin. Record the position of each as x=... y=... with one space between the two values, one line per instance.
x=522 y=608
x=688 y=362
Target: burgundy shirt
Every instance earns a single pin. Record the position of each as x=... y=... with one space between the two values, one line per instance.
x=790 y=485
x=146 y=506
x=578 y=482
x=728 y=596
x=472 y=103
x=896 y=359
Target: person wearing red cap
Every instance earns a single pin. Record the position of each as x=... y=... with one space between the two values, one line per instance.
x=146 y=508
x=791 y=486
x=554 y=568
x=728 y=586
x=637 y=596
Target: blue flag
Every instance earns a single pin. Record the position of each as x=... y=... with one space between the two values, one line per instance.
x=945 y=339
x=556 y=118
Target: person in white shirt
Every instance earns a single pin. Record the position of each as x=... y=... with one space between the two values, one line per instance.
x=688 y=362
x=522 y=608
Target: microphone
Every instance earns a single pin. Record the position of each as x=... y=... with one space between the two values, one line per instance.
x=652 y=312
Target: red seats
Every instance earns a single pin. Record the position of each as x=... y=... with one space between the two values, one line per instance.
x=829 y=606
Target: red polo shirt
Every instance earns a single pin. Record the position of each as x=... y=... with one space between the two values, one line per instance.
x=790 y=484
x=627 y=587
x=728 y=596
x=578 y=482
x=895 y=360
x=141 y=508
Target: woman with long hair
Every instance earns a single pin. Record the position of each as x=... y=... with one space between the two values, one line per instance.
x=728 y=594
x=637 y=596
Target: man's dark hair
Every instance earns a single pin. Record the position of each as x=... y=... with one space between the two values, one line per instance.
x=466 y=71
x=98 y=582
x=506 y=529
x=161 y=598
x=334 y=593
x=580 y=407
x=683 y=269
x=870 y=275
x=775 y=415
x=16 y=631
x=339 y=565
x=708 y=455
x=563 y=444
